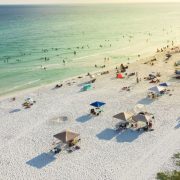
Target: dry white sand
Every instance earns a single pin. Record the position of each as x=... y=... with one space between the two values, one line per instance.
x=27 y=135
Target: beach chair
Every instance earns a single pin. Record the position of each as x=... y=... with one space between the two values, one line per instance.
x=58 y=85
x=96 y=112
x=121 y=126
x=92 y=111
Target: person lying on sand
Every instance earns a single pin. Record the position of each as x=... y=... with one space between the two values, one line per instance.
x=154 y=81
x=58 y=85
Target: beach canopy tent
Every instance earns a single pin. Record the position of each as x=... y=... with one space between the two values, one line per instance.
x=123 y=116
x=87 y=87
x=97 y=104
x=157 y=89
x=66 y=136
x=165 y=84
x=139 y=108
x=140 y=117
x=119 y=76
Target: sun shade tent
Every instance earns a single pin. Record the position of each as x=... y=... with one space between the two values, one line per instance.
x=157 y=89
x=87 y=87
x=123 y=116
x=119 y=76
x=165 y=84
x=97 y=104
x=142 y=118
x=66 y=136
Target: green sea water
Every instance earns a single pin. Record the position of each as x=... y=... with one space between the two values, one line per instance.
x=34 y=37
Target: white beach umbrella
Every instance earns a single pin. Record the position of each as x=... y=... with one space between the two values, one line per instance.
x=157 y=89
x=29 y=100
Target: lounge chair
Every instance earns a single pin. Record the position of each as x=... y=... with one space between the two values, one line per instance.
x=57 y=150
x=92 y=111
x=77 y=147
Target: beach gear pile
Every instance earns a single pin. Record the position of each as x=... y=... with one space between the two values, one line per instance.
x=158 y=91
x=28 y=103
x=177 y=70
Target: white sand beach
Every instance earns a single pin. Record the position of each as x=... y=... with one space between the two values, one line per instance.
x=27 y=134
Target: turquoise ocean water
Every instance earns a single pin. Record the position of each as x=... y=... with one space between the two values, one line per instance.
x=35 y=36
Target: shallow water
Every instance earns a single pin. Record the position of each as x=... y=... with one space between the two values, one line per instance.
x=35 y=36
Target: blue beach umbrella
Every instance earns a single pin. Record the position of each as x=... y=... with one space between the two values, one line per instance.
x=97 y=104
x=164 y=84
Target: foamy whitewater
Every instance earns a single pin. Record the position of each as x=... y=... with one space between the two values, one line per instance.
x=36 y=37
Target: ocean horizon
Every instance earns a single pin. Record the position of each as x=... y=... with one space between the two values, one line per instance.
x=41 y=44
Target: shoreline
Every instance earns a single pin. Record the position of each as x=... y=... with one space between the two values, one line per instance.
x=144 y=56
x=46 y=85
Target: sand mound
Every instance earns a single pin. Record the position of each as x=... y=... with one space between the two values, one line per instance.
x=61 y=118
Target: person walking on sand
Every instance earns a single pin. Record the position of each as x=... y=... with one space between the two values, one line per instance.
x=137 y=80
x=64 y=62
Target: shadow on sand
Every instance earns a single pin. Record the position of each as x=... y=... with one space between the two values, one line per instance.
x=107 y=134
x=128 y=136
x=178 y=125
x=41 y=160
x=82 y=84
x=145 y=101
x=84 y=118
x=14 y=110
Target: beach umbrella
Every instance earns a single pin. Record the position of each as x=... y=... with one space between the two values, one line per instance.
x=157 y=89
x=87 y=87
x=165 y=84
x=29 y=100
x=97 y=104
x=123 y=116
x=66 y=136
x=119 y=76
x=141 y=117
